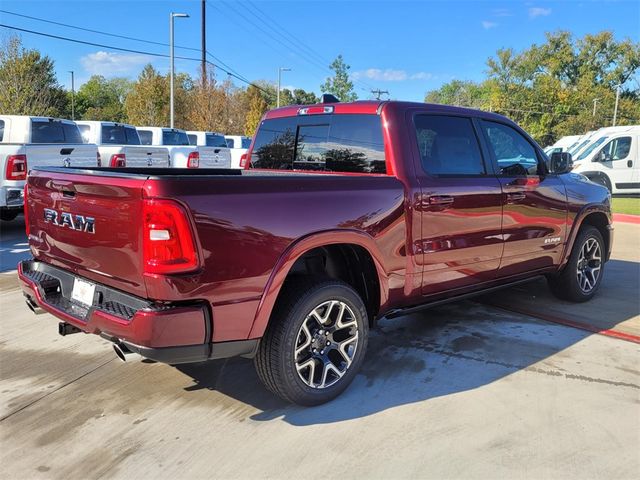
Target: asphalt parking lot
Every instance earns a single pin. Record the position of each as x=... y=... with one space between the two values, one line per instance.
x=468 y=390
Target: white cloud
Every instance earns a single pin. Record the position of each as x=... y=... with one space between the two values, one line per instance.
x=501 y=12
x=486 y=24
x=110 y=64
x=390 y=75
x=535 y=12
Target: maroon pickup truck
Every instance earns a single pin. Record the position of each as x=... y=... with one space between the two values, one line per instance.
x=346 y=213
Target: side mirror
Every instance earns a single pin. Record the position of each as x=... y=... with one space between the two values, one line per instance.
x=560 y=162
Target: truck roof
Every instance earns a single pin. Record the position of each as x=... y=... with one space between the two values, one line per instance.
x=373 y=107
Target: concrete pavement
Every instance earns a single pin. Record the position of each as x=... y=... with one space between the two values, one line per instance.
x=461 y=391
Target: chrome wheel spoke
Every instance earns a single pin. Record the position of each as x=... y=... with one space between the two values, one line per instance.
x=326 y=344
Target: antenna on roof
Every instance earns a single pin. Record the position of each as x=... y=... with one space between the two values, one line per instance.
x=328 y=98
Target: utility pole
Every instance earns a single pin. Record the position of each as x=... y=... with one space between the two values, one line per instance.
x=378 y=93
x=615 y=110
x=204 y=42
x=595 y=102
x=171 y=68
x=280 y=70
x=73 y=97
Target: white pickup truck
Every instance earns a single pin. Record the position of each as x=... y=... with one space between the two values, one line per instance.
x=212 y=147
x=119 y=145
x=181 y=154
x=36 y=141
x=239 y=145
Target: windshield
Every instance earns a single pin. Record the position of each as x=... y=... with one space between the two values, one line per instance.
x=576 y=149
x=174 y=137
x=591 y=148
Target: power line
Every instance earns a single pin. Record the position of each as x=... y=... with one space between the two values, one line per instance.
x=129 y=50
x=235 y=73
x=108 y=34
x=293 y=45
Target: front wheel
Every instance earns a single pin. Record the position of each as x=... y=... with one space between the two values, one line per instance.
x=581 y=277
x=315 y=343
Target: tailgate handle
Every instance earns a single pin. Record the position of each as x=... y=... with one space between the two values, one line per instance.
x=217 y=150
x=66 y=151
x=68 y=193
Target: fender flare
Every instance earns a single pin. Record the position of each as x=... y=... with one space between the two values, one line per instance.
x=299 y=248
x=584 y=212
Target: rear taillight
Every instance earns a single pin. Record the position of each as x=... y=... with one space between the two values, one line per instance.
x=98 y=159
x=193 y=161
x=16 y=167
x=26 y=209
x=118 y=160
x=168 y=242
x=243 y=160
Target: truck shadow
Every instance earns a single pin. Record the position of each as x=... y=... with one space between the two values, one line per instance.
x=443 y=351
x=13 y=244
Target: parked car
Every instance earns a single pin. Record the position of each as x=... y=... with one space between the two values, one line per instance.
x=181 y=153
x=352 y=212
x=239 y=146
x=27 y=142
x=212 y=148
x=613 y=159
x=119 y=145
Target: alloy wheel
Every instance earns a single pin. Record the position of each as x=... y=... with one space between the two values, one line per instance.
x=589 y=265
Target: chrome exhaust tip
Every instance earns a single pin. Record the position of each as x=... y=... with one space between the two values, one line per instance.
x=124 y=354
x=33 y=306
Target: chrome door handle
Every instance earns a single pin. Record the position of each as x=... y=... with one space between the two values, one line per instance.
x=440 y=200
x=515 y=197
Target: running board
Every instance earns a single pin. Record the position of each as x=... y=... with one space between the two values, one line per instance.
x=423 y=306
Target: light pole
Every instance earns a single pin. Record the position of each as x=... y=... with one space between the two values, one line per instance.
x=595 y=102
x=171 y=17
x=280 y=70
x=73 y=97
x=615 y=110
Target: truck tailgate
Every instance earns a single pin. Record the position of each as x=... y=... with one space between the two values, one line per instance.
x=146 y=156
x=62 y=155
x=61 y=207
x=214 y=157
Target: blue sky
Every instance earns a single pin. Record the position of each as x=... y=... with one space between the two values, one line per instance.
x=406 y=48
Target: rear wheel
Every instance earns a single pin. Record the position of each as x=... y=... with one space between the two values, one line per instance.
x=315 y=343
x=581 y=277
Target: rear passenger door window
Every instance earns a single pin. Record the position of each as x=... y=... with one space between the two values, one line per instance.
x=448 y=145
x=514 y=155
x=146 y=137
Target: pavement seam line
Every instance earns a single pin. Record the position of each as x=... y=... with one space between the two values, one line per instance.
x=55 y=390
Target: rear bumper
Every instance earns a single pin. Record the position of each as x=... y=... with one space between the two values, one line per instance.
x=12 y=196
x=169 y=333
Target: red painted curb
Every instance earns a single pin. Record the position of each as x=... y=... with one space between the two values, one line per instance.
x=570 y=323
x=626 y=218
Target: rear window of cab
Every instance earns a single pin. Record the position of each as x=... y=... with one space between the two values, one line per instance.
x=330 y=143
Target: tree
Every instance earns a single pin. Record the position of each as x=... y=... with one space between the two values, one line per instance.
x=102 y=99
x=148 y=101
x=302 y=97
x=207 y=104
x=549 y=89
x=257 y=107
x=340 y=85
x=28 y=84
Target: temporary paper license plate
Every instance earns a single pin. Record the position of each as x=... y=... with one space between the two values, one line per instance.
x=83 y=292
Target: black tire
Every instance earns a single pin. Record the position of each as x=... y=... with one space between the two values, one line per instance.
x=567 y=285
x=602 y=180
x=9 y=215
x=276 y=358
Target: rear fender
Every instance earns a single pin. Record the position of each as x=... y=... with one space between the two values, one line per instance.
x=299 y=248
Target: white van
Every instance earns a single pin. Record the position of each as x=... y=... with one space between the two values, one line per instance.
x=613 y=159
